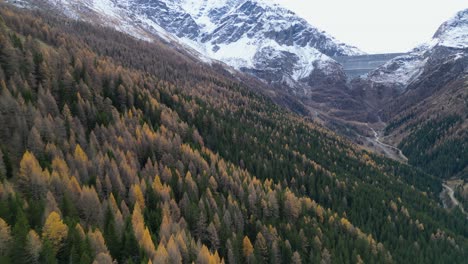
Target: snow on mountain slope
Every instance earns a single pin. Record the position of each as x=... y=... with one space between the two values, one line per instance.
x=245 y=34
x=249 y=35
x=454 y=32
x=450 y=42
x=401 y=70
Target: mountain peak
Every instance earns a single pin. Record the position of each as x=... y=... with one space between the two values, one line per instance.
x=454 y=32
x=450 y=38
x=238 y=33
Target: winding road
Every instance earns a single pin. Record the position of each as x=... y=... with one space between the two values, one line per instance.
x=386 y=146
x=451 y=194
x=447 y=194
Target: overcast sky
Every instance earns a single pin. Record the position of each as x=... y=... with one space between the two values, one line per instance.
x=377 y=26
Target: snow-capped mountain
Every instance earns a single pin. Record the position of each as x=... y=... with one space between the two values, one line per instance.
x=408 y=80
x=255 y=36
x=449 y=43
x=454 y=32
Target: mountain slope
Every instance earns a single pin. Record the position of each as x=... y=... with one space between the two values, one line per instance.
x=256 y=37
x=433 y=133
x=408 y=72
x=240 y=33
x=423 y=98
x=120 y=149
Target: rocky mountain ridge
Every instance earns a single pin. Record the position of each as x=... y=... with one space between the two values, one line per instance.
x=252 y=36
x=410 y=72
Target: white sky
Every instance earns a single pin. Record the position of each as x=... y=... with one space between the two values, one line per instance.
x=377 y=26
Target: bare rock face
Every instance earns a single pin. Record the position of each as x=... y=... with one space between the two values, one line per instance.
x=173 y=20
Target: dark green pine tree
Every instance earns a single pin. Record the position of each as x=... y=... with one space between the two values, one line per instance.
x=20 y=231
x=130 y=249
x=86 y=252
x=47 y=253
x=113 y=241
x=69 y=210
x=152 y=212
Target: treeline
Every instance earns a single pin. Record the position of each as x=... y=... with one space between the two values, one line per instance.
x=114 y=149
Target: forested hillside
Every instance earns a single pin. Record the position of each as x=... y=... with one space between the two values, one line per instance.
x=114 y=149
x=433 y=134
x=434 y=147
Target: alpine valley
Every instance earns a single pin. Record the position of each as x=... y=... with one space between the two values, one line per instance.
x=224 y=131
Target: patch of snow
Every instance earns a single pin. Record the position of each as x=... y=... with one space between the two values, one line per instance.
x=238 y=54
x=105 y=7
x=150 y=24
x=454 y=32
x=455 y=38
x=326 y=66
x=305 y=65
x=458 y=56
x=196 y=49
x=200 y=9
x=401 y=70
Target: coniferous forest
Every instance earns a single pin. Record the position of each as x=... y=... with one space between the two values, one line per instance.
x=119 y=150
x=431 y=147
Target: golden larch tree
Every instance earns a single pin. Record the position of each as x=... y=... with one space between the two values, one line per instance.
x=30 y=177
x=55 y=230
x=5 y=237
x=247 y=247
x=33 y=246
